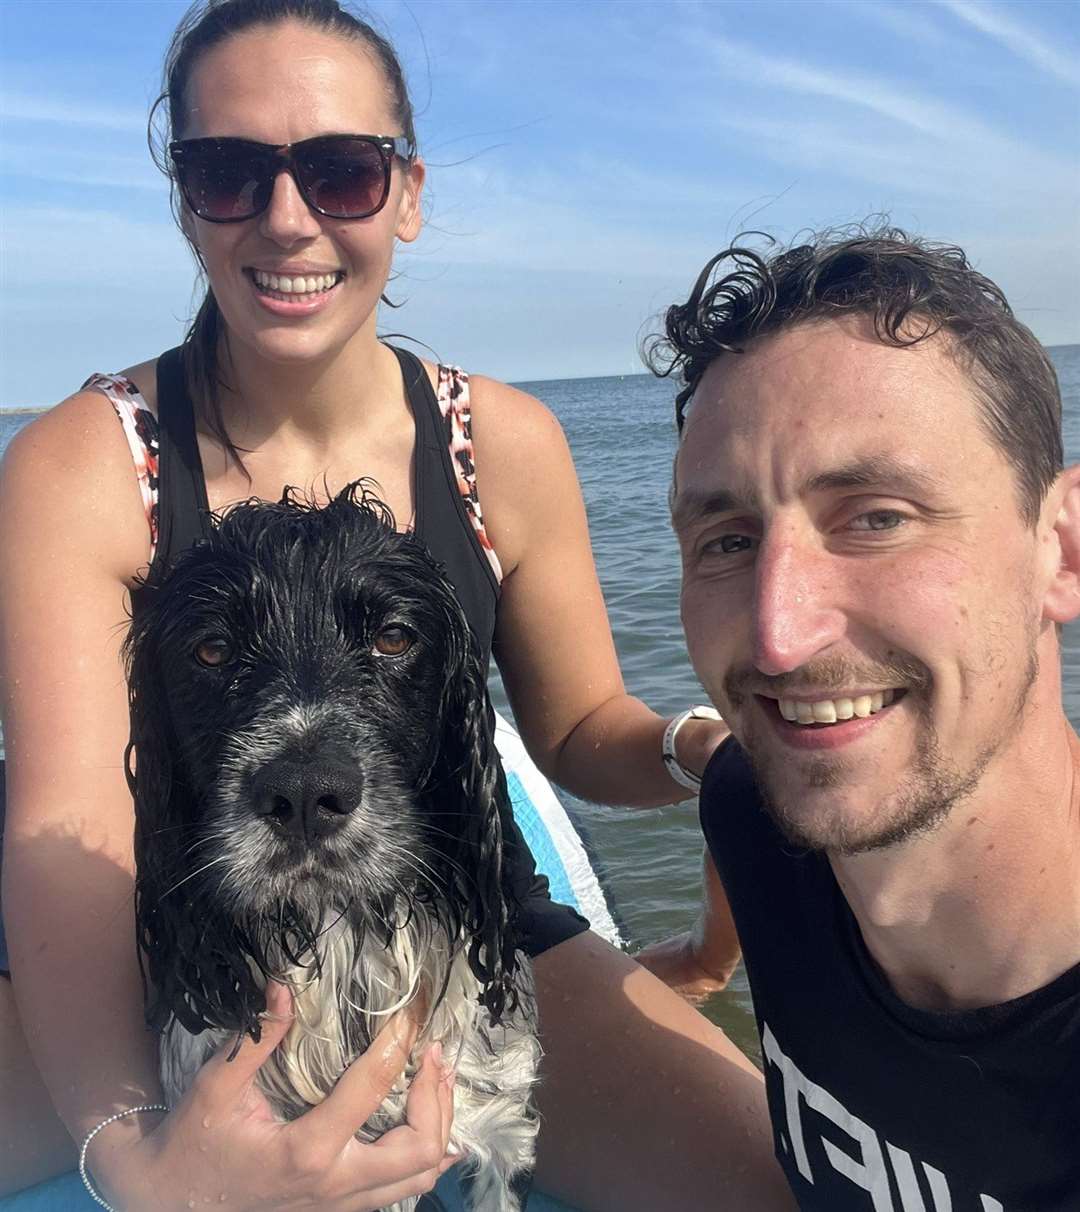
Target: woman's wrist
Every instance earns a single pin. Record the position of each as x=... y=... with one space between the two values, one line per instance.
x=90 y=1172
x=690 y=740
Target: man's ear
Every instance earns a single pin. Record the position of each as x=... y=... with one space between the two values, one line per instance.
x=1061 y=602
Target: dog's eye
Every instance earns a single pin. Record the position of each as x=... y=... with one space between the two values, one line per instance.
x=213 y=652
x=393 y=641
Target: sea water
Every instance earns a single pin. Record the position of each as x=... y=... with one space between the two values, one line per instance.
x=622 y=435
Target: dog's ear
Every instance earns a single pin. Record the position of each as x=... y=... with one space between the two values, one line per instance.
x=466 y=781
x=158 y=816
x=189 y=970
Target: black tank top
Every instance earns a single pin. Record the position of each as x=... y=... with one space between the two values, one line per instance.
x=443 y=525
x=441 y=521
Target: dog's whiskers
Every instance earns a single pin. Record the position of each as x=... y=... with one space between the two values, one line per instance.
x=222 y=858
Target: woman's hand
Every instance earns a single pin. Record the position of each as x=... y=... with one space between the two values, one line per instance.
x=221 y=1145
x=701 y=960
x=677 y=962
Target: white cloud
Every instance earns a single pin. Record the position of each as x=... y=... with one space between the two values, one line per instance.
x=905 y=19
x=90 y=250
x=1022 y=41
x=25 y=108
x=919 y=142
x=44 y=160
x=899 y=104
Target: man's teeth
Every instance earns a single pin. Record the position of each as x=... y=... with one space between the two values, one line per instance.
x=310 y=285
x=830 y=711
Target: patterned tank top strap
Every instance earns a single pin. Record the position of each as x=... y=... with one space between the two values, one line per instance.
x=453 y=397
x=141 y=430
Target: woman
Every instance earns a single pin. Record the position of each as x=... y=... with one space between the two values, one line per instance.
x=287 y=383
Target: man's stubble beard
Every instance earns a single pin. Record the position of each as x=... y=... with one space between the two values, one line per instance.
x=928 y=791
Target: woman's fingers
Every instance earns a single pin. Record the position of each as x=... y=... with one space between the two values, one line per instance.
x=446 y=1101
x=223 y=1080
x=363 y=1086
x=383 y=1197
x=320 y=1147
x=421 y=1142
x=424 y=1112
x=405 y=1161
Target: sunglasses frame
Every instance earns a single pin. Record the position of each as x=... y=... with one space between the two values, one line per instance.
x=388 y=146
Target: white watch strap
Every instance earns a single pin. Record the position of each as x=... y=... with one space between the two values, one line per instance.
x=682 y=776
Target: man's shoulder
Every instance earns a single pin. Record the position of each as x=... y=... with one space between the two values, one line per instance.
x=729 y=789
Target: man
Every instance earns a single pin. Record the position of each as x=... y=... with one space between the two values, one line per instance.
x=879 y=547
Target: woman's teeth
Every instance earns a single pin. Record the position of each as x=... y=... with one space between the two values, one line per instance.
x=832 y=711
x=310 y=285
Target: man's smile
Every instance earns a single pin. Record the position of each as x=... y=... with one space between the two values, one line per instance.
x=834 y=710
x=827 y=723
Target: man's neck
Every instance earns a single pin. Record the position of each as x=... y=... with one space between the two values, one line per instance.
x=985 y=908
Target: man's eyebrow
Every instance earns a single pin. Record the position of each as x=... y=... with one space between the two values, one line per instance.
x=689 y=506
x=876 y=471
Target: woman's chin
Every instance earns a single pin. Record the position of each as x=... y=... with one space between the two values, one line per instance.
x=287 y=345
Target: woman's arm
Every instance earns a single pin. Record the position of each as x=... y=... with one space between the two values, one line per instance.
x=645 y=1105
x=72 y=529
x=702 y=959
x=553 y=642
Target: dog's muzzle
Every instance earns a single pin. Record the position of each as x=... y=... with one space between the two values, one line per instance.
x=306 y=799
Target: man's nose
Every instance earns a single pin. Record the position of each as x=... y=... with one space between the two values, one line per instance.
x=797 y=614
x=288 y=218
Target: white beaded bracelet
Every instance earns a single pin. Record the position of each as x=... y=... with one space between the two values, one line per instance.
x=90 y=1136
x=682 y=776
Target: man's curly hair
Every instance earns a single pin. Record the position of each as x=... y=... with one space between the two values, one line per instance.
x=911 y=289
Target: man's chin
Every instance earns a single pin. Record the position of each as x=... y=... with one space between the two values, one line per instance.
x=828 y=808
x=816 y=817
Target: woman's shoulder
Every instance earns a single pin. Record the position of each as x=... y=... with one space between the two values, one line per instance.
x=138 y=382
x=508 y=416
x=73 y=464
x=524 y=471
x=81 y=429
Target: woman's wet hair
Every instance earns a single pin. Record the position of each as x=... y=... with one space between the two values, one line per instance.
x=205 y=25
x=911 y=289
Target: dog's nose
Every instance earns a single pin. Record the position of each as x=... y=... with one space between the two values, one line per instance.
x=308 y=800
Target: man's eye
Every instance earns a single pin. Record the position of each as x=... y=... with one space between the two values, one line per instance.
x=878 y=519
x=214 y=652
x=728 y=544
x=393 y=641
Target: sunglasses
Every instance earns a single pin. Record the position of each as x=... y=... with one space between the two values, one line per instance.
x=339 y=176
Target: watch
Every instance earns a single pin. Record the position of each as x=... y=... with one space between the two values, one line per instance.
x=682 y=776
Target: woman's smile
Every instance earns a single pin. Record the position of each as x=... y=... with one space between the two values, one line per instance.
x=296 y=294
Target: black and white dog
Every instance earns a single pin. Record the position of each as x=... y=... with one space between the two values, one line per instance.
x=317 y=802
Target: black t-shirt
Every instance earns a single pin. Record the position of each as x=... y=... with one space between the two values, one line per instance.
x=876 y=1106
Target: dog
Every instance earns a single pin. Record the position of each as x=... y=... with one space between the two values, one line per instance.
x=318 y=802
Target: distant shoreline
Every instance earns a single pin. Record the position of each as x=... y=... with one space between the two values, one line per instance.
x=30 y=410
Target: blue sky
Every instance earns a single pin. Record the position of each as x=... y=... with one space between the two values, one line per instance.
x=585 y=160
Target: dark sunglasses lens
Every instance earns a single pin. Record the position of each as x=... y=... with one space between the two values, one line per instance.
x=224 y=183
x=343 y=178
